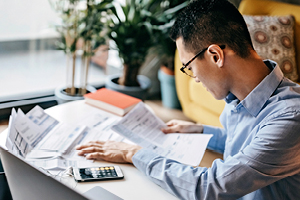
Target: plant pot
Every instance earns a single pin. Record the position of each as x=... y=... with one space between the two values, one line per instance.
x=62 y=97
x=168 y=90
x=138 y=92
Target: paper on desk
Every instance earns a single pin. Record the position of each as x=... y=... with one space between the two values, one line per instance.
x=100 y=123
x=44 y=141
x=43 y=154
x=14 y=141
x=39 y=131
x=62 y=138
x=143 y=128
x=25 y=131
x=55 y=164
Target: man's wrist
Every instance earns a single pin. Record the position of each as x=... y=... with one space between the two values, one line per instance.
x=197 y=128
x=130 y=154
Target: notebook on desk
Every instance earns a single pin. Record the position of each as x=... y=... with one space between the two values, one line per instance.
x=27 y=182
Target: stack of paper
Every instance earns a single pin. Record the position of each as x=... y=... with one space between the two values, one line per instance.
x=50 y=144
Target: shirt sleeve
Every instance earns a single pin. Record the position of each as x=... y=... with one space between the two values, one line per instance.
x=272 y=155
x=217 y=142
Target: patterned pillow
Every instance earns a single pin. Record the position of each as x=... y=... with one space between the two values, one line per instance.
x=273 y=38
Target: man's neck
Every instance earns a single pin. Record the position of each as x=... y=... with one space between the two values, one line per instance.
x=247 y=74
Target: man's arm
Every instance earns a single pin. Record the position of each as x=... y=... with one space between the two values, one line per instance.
x=273 y=154
x=122 y=152
x=216 y=143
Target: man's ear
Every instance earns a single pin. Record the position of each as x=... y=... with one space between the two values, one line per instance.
x=216 y=54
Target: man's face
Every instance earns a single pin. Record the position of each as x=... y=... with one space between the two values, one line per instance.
x=205 y=71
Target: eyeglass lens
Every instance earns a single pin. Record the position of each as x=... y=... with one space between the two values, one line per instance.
x=188 y=71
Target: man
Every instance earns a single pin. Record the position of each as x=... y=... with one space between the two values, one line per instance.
x=260 y=140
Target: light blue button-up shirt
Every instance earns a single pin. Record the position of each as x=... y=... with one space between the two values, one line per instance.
x=261 y=146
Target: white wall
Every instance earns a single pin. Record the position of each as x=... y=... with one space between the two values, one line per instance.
x=26 y=19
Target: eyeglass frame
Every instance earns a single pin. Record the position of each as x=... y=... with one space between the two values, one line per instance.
x=198 y=54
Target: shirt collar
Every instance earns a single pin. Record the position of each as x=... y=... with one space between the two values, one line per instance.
x=257 y=98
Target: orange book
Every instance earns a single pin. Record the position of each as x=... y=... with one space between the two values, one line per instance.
x=111 y=101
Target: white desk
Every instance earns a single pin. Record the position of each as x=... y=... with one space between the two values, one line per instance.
x=135 y=185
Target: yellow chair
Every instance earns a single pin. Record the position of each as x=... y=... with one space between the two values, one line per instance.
x=273 y=8
x=200 y=105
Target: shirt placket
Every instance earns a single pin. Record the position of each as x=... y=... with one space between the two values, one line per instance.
x=231 y=128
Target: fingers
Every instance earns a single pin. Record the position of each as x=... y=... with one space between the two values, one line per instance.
x=90 y=144
x=178 y=126
x=94 y=156
x=172 y=126
x=171 y=129
x=87 y=150
x=172 y=122
x=111 y=151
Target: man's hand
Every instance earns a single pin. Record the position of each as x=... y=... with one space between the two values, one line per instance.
x=179 y=126
x=118 y=152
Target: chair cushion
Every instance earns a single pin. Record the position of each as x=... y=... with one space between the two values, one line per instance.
x=273 y=38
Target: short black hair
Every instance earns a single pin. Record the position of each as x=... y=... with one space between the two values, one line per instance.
x=206 y=22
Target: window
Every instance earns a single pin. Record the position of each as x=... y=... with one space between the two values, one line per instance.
x=30 y=66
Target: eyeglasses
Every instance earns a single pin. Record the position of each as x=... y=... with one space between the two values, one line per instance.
x=189 y=71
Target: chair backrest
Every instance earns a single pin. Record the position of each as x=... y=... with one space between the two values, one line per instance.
x=273 y=8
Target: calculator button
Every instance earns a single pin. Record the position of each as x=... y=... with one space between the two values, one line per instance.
x=87 y=172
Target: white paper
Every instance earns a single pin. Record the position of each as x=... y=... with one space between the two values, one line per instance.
x=43 y=141
x=34 y=126
x=38 y=116
x=54 y=164
x=43 y=154
x=15 y=141
x=143 y=128
x=39 y=131
x=61 y=138
x=100 y=123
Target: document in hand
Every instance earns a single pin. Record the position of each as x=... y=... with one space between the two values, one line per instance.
x=142 y=127
x=111 y=101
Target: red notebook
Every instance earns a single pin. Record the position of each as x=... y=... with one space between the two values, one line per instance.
x=111 y=101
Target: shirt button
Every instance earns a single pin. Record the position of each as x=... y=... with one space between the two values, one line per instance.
x=234 y=110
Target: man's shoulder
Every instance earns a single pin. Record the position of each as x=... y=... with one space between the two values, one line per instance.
x=287 y=92
x=284 y=101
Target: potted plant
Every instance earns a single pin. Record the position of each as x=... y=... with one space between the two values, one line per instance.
x=80 y=30
x=165 y=15
x=130 y=29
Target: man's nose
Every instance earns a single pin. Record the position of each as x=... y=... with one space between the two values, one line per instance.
x=197 y=80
